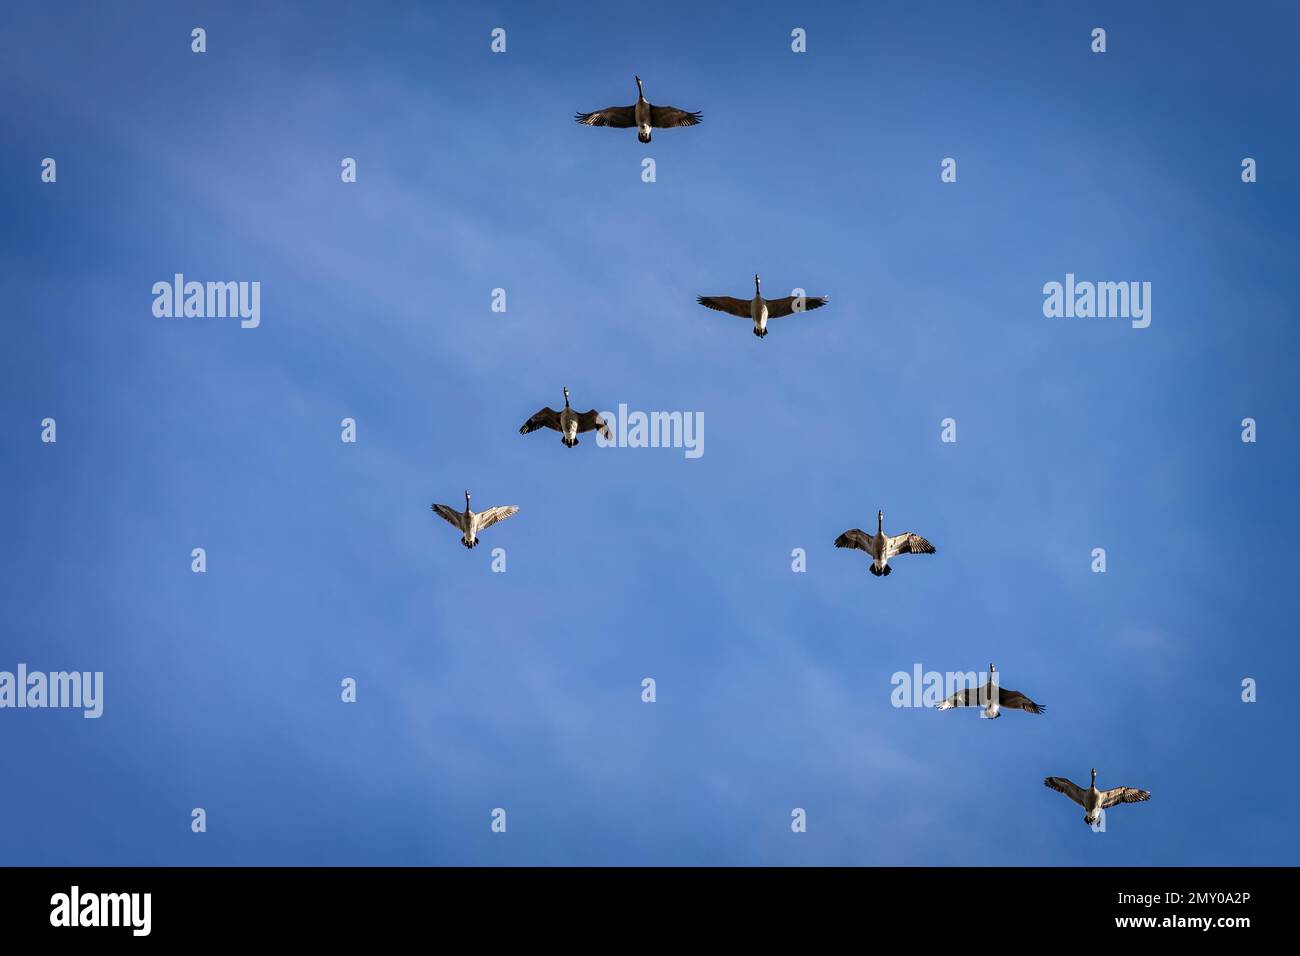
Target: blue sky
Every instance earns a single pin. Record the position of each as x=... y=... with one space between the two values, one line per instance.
x=522 y=690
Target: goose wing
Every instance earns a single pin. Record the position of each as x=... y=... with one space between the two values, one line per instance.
x=854 y=538
x=546 y=418
x=779 y=307
x=725 y=303
x=619 y=116
x=1014 y=700
x=908 y=543
x=970 y=697
x=666 y=117
x=591 y=421
x=450 y=515
x=491 y=516
x=1061 y=785
x=1123 y=795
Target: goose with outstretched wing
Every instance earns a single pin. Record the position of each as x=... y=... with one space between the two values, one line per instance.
x=759 y=309
x=992 y=698
x=470 y=523
x=640 y=114
x=568 y=421
x=1093 y=800
x=881 y=546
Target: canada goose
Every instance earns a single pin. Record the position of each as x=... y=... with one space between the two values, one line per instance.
x=1093 y=800
x=881 y=546
x=568 y=422
x=471 y=523
x=994 y=698
x=641 y=115
x=760 y=309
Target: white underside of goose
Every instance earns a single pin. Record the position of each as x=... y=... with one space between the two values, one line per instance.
x=569 y=426
x=758 y=311
x=642 y=119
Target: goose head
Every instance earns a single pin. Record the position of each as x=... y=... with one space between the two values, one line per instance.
x=992 y=669
x=1094 y=778
x=566 y=396
x=757 y=282
x=639 y=91
x=880 y=521
x=467 y=500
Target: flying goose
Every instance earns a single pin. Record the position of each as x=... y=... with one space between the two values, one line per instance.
x=568 y=422
x=994 y=698
x=760 y=309
x=1093 y=800
x=881 y=546
x=471 y=523
x=641 y=115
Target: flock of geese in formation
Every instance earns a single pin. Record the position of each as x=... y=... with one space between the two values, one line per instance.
x=880 y=547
